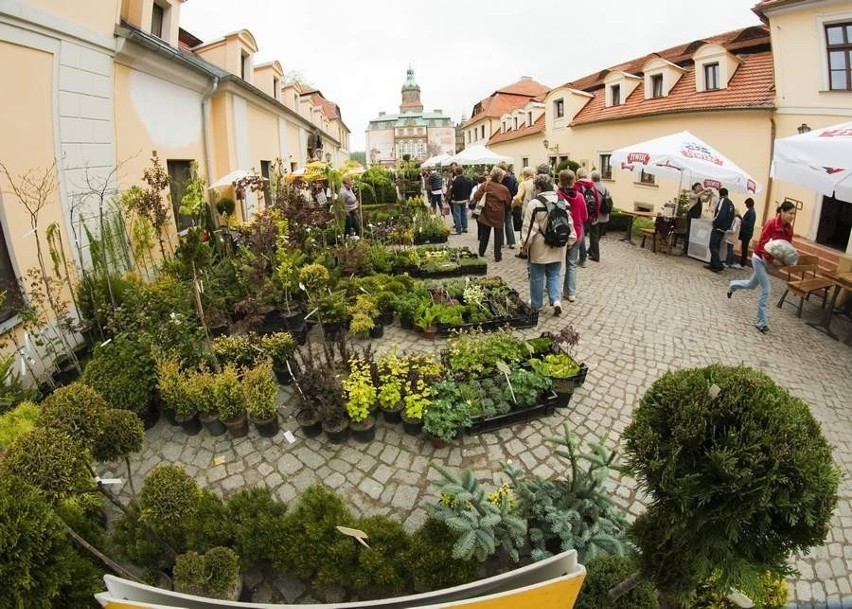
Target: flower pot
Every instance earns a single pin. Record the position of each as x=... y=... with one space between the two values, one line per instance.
x=364 y=431
x=300 y=335
x=406 y=322
x=392 y=415
x=267 y=428
x=169 y=414
x=332 y=329
x=386 y=319
x=294 y=320
x=190 y=425
x=219 y=331
x=337 y=431
x=378 y=331
x=412 y=427
x=272 y=322
x=437 y=442
x=238 y=427
x=283 y=374
x=212 y=424
x=309 y=423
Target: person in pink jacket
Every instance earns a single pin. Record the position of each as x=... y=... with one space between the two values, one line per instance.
x=579 y=215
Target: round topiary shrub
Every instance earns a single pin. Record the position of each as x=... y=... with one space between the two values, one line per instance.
x=123 y=372
x=604 y=572
x=258 y=521
x=215 y=574
x=76 y=409
x=740 y=476
x=378 y=571
x=169 y=498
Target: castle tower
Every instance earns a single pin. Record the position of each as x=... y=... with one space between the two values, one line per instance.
x=410 y=94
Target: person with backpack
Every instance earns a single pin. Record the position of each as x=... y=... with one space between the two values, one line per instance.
x=546 y=232
x=435 y=184
x=576 y=203
x=511 y=183
x=460 y=191
x=599 y=224
x=590 y=195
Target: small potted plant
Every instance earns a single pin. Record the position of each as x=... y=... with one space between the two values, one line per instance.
x=364 y=315
x=215 y=574
x=230 y=401
x=446 y=414
x=172 y=388
x=261 y=397
x=199 y=389
x=321 y=402
x=393 y=375
x=332 y=313
x=361 y=397
x=287 y=276
x=279 y=347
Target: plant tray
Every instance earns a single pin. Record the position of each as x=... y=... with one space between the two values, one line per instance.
x=513 y=417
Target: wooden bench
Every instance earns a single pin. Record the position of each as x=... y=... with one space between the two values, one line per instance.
x=649 y=232
x=802 y=280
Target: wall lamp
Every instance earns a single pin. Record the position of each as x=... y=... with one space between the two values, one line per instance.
x=803 y=128
x=554 y=148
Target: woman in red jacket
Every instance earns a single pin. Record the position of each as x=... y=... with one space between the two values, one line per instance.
x=779 y=227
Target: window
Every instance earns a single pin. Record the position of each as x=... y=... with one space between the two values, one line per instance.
x=158 y=16
x=606 y=166
x=529 y=119
x=515 y=123
x=646 y=178
x=180 y=172
x=264 y=171
x=504 y=127
x=711 y=76
x=276 y=85
x=8 y=283
x=839 y=39
x=483 y=132
x=525 y=161
x=559 y=108
x=615 y=95
x=243 y=65
x=657 y=85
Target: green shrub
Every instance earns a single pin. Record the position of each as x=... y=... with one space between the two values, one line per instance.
x=605 y=572
x=258 y=521
x=169 y=498
x=379 y=571
x=430 y=558
x=34 y=552
x=210 y=526
x=325 y=556
x=123 y=372
x=260 y=391
x=122 y=433
x=215 y=574
x=237 y=350
x=771 y=594
x=228 y=395
x=78 y=410
x=50 y=460
x=17 y=422
x=739 y=480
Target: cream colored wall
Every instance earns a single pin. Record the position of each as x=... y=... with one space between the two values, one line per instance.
x=224 y=154
x=530 y=147
x=263 y=135
x=294 y=145
x=217 y=54
x=98 y=15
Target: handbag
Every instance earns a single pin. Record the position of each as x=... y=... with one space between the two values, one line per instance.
x=517 y=221
x=478 y=207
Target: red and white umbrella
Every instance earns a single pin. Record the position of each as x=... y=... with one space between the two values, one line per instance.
x=686 y=158
x=820 y=160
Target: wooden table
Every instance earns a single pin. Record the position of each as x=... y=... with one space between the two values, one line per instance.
x=628 y=235
x=842 y=281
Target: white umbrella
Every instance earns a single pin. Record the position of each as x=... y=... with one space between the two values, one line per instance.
x=820 y=160
x=435 y=161
x=477 y=155
x=684 y=157
x=230 y=178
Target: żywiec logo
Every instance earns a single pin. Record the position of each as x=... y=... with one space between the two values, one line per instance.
x=836 y=133
x=751 y=186
x=638 y=157
x=712 y=184
x=695 y=150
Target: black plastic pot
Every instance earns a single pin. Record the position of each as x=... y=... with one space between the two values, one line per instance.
x=336 y=433
x=212 y=424
x=378 y=331
x=364 y=431
x=406 y=322
x=412 y=427
x=238 y=428
x=191 y=426
x=267 y=428
x=392 y=415
x=310 y=425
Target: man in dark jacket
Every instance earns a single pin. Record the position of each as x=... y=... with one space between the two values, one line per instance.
x=747 y=230
x=722 y=220
x=460 y=189
x=511 y=184
x=435 y=183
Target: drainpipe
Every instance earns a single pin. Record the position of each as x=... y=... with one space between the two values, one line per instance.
x=772 y=132
x=205 y=122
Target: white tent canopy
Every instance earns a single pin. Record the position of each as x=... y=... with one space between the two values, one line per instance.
x=820 y=160
x=477 y=155
x=230 y=178
x=435 y=161
x=684 y=157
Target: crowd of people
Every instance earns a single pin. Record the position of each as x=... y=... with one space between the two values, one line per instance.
x=519 y=214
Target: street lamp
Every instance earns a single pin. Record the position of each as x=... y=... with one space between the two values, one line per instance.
x=803 y=128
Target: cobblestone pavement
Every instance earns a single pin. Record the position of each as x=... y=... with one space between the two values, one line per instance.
x=639 y=315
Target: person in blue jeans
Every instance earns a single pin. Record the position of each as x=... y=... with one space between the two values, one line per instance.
x=460 y=191
x=779 y=227
x=511 y=183
x=545 y=262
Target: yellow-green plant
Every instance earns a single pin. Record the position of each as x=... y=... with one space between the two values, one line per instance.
x=228 y=394
x=361 y=324
x=314 y=277
x=416 y=399
x=361 y=394
x=261 y=391
x=393 y=371
x=172 y=388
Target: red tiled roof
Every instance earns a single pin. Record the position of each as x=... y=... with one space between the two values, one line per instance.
x=752 y=86
x=536 y=127
x=507 y=99
x=186 y=40
x=330 y=109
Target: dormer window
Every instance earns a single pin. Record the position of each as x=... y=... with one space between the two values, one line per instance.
x=657 y=85
x=515 y=123
x=244 y=65
x=158 y=18
x=615 y=95
x=529 y=119
x=276 y=88
x=711 y=76
x=559 y=108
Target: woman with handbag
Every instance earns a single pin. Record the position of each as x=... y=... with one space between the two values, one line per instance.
x=491 y=200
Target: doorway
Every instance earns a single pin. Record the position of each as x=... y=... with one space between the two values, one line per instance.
x=835 y=223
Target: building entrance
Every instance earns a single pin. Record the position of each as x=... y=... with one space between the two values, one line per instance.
x=835 y=223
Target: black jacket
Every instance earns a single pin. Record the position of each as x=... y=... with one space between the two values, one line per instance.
x=724 y=215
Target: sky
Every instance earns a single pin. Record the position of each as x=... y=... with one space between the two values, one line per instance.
x=357 y=51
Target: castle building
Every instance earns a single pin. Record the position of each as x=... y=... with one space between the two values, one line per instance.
x=412 y=131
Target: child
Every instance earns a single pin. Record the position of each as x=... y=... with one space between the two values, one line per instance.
x=731 y=236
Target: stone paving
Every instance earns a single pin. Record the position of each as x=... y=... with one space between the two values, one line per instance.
x=639 y=315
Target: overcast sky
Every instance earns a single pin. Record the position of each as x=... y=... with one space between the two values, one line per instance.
x=357 y=51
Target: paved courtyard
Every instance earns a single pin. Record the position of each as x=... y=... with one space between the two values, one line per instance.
x=639 y=315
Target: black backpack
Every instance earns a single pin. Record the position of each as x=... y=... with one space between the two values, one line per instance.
x=557 y=227
x=606 y=203
x=591 y=202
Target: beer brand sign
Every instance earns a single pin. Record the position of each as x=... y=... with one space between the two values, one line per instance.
x=694 y=150
x=638 y=157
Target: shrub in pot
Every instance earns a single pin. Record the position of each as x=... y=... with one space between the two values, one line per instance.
x=124 y=373
x=215 y=574
x=258 y=521
x=279 y=347
x=739 y=474
x=199 y=387
x=261 y=397
x=320 y=395
x=76 y=409
x=446 y=414
x=361 y=395
x=238 y=349
x=174 y=394
x=230 y=400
